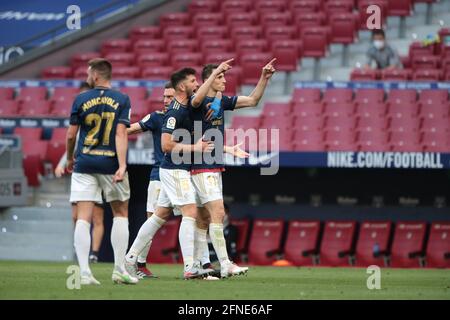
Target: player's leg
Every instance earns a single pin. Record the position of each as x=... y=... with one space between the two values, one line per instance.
x=201 y=243
x=74 y=213
x=118 y=194
x=84 y=192
x=154 y=188
x=98 y=230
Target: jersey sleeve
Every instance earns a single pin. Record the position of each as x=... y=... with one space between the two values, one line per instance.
x=75 y=113
x=172 y=121
x=124 y=113
x=148 y=122
x=229 y=103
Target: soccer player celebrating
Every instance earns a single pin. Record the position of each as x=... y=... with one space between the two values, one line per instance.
x=102 y=116
x=207 y=178
x=152 y=122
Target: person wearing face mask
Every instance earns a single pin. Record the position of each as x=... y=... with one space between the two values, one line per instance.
x=381 y=55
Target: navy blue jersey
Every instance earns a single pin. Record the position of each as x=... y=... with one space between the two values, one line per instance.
x=178 y=116
x=98 y=112
x=153 y=122
x=199 y=114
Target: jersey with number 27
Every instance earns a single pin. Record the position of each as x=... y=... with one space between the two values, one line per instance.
x=98 y=112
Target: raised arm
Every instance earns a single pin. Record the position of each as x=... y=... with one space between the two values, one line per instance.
x=253 y=99
x=204 y=88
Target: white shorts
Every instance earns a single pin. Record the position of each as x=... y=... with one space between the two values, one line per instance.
x=176 y=188
x=88 y=187
x=208 y=186
x=153 y=191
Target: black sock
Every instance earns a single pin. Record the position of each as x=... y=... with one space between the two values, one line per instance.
x=141 y=264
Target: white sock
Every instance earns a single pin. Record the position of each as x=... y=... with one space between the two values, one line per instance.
x=218 y=241
x=142 y=257
x=201 y=246
x=145 y=234
x=82 y=243
x=119 y=241
x=186 y=237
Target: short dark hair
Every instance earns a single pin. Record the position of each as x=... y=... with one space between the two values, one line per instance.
x=181 y=75
x=102 y=66
x=168 y=85
x=84 y=86
x=378 y=32
x=207 y=70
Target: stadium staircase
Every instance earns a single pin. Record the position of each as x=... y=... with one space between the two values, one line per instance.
x=42 y=231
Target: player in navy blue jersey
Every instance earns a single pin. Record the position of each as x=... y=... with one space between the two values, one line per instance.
x=152 y=122
x=102 y=116
x=207 y=177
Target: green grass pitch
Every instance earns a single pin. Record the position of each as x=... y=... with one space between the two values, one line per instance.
x=46 y=280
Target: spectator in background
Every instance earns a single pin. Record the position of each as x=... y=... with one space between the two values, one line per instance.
x=381 y=53
x=230 y=233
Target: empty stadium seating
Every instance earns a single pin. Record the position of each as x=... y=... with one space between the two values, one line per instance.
x=337 y=243
x=373 y=243
x=265 y=241
x=438 y=248
x=408 y=244
x=302 y=243
x=164 y=247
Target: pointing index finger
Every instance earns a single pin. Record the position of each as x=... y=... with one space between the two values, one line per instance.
x=272 y=61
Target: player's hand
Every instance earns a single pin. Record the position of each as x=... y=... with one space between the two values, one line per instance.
x=238 y=152
x=223 y=67
x=209 y=113
x=269 y=69
x=69 y=166
x=119 y=175
x=59 y=171
x=204 y=146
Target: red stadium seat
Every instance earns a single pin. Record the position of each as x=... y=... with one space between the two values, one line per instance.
x=235 y=6
x=206 y=33
x=401 y=109
x=372 y=123
x=217 y=46
x=120 y=59
x=345 y=143
x=140 y=108
x=6 y=93
x=156 y=59
x=273 y=33
x=32 y=94
x=265 y=241
x=308 y=121
x=235 y=20
x=144 y=33
x=338 y=96
x=434 y=109
x=275 y=19
x=403 y=95
x=408 y=244
x=59 y=135
x=55 y=150
x=187 y=59
x=218 y=57
x=200 y=6
x=65 y=93
x=400 y=8
x=302 y=242
x=396 y=74
x=369 y=96
x=373 y=243
x=417 y=49
x=364 y=15
x=338 y=6
x=308 y=19
x=125 y=72
x=360 y=74
x=433 y=95
x=343 y=28
x=146 y=46
x=287 y=53
x=206 y=19
x=243 y=228
x=251 y=46
x=178 y=32
x=438 y=248
x=182 y=45
x=34 y=146
x=80 y=73
x=435 y=142
x=240 y=122
x=367 y=108
x=337 y=243
x=115 y=46
x=59 y=72
x=313 y=135
x=306 y=145
x=272 y=109
x=427 y=75
x=246 y=33
x=315 y=42
x=306 y=95
x=300 y=6
x=373 y=141
x=35 y=108
x=32 y=168
x=174 y=19
x=435 y=125
x=156 y=73
x=61 y=108
x=29 y=134
x=9 y=108
x=252 y=64
x=164 y=247
x=425 y=62
x=405 y=141
x=268 y=6
x=135 y=93
x=404 y=123
x=233 y=78
x=81 y=59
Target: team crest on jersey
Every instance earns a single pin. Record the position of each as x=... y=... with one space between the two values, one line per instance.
x=171 y=122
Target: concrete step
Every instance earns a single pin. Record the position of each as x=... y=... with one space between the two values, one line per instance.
x=54 y=252
x=36 y=239
x=36 y=213
x=45 y=227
